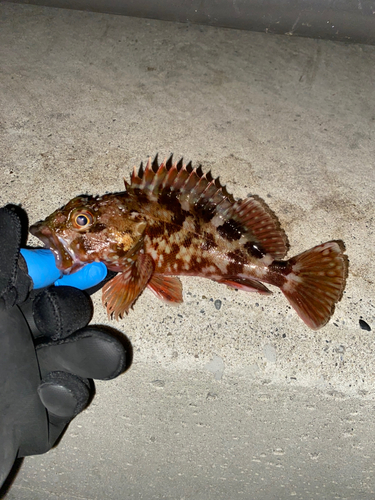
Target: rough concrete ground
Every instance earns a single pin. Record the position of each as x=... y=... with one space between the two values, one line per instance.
x=230 y=395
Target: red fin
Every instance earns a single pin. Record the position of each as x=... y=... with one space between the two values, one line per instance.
x=166 y=288
x=263 y=225
x=247 y=285
x=191 y=184
x=316 y=282
x=121 y=292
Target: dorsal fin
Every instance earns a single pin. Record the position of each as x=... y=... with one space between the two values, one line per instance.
x=192 y=185
x=256 y=215
x=202 y=194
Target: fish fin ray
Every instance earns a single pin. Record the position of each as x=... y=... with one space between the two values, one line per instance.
x=245 y=284
x=262 y=225
x=167 y=288
x=122 y=291
x=191 y=184
x=316 y=281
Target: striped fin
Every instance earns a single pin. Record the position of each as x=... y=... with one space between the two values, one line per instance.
x=191 y=184
x=315 y=282
x=265 y=227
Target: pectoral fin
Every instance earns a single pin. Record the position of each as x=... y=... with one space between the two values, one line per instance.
x=120 y=294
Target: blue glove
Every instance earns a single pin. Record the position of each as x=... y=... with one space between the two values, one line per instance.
x=42 y=269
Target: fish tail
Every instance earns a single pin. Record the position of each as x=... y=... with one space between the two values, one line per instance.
x=315 y=281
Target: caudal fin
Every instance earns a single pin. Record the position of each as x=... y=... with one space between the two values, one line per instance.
x=316 y=281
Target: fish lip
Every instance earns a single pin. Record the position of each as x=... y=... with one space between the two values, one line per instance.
x=65 y=260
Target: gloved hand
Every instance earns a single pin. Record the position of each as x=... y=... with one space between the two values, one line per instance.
x=48 y=354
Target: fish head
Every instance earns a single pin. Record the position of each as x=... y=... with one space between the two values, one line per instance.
x=92 y=229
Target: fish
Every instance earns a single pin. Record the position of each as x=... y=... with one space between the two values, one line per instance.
x=175 y=220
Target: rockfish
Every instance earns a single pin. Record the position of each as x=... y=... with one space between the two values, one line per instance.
x=171 y=220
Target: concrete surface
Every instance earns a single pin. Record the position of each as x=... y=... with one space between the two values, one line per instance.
x=229 y=395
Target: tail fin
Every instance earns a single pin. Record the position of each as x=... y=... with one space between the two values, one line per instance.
x=316 y=281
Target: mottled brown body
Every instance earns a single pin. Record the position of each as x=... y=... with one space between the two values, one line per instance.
x=185 y=244
x=174 y=220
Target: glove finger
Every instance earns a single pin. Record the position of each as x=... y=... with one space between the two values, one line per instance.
x=92 y=352
x=15 y=283
x=60 y=311
x=64 y=395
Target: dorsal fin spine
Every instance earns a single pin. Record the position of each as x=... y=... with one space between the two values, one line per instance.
x=155 y=164
x=199 y=187
x=210 y=190
x=191 y=181
x=152 y=180
x=169 y=162
x=170 y=177
x=148 y=175
x=181 y=179
x=133 y=176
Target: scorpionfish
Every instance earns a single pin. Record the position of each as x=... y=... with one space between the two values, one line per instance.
x=173 y=220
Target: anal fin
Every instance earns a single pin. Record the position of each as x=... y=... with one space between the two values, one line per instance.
x=167 y=288
x=245 y=284
x=121 y=292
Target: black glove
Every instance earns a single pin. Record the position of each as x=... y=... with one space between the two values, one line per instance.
x=48 y=354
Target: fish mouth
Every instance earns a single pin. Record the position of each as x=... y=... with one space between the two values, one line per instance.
x=65 y=260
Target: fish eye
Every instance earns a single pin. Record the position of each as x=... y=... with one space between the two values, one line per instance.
x=82 y=220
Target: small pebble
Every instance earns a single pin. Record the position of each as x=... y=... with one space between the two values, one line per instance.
x=217 y=304
x=364 y=325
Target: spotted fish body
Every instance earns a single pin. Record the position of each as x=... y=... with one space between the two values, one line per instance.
x=175 y=220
